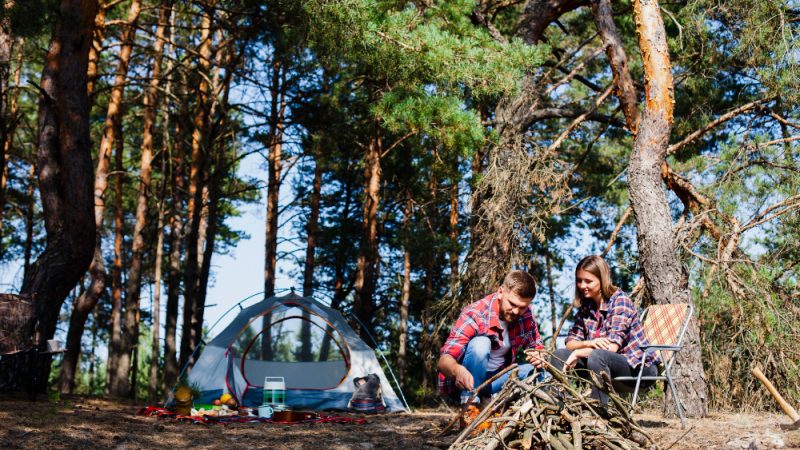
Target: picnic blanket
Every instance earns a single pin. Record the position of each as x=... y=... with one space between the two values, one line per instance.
x=163 y=413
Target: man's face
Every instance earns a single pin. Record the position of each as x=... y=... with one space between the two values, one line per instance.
x=512 y=306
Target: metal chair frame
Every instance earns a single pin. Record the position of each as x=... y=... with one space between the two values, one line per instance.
x=666 y=374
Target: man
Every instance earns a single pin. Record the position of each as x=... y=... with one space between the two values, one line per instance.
x=486 y=338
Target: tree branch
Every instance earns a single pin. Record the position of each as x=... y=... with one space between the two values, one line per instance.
x=539 y=14
x=578 y=120
x=715 y=123
x=613 y=238
x=626 y=90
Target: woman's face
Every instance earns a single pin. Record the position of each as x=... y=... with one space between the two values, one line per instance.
x=588 y=286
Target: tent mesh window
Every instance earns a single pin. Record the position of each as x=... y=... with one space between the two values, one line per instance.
x=295 y=343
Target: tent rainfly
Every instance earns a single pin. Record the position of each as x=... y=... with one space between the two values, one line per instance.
x=307 y=343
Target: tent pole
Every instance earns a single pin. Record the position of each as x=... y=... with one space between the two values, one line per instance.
x=391 y=372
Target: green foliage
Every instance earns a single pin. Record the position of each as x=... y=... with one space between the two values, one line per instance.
x=408 y=45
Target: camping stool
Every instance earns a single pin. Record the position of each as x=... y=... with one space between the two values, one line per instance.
x=664 y=326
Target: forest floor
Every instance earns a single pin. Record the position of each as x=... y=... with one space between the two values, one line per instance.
x=77 y=422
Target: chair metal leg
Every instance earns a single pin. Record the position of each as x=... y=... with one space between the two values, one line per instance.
x=638 y=382
x=676 y=398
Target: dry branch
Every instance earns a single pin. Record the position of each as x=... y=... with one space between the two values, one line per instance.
x=554 y=414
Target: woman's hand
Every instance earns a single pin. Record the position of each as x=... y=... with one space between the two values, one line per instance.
x=571 y=361
x=576 y=355
x=601 y=343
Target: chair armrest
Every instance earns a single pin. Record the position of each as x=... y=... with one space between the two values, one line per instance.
x=660 y=347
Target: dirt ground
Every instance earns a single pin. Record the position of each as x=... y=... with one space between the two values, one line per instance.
x=96 y=423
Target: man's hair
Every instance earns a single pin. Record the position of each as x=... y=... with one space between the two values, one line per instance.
x=598 y=267
x=521 y=283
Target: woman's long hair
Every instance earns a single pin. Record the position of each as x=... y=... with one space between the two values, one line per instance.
x=598 y=267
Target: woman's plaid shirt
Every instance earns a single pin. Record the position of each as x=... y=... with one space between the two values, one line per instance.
x=618 y=320
x=482 y=318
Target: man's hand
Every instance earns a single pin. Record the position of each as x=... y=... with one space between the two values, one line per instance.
x=464 y=379
x=536 y=357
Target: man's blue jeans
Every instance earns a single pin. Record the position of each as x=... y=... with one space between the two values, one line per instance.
x=476 y=360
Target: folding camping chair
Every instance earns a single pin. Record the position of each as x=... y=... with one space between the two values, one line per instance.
x=664 y=326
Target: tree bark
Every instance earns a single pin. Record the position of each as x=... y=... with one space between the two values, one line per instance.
x=660 y=267
x=65 y=183
x=366 y=267
x=189 y=339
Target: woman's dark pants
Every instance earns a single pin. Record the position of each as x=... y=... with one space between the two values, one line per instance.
x=614 y=364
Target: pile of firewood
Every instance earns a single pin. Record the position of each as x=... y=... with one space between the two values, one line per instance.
x=554 y=414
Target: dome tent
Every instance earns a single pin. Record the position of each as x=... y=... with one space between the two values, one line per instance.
x=307 y=343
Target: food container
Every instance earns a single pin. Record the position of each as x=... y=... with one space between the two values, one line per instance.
x=265 y=411
x=183 y=400
x=274 y=391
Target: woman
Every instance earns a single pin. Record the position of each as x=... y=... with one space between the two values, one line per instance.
x=607 y=335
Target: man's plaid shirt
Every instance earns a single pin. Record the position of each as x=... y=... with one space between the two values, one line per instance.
x=618 y=320
x=482 y=318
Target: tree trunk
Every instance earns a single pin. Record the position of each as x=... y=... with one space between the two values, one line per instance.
x=495 y=210
x=219 y=175
x=65 y=184
x=150 y=100
x=9 y=122
x=660 y=267
x=98 y=36
x=366 y=267
x=212 y=221
x=455 y=248
x=189 y=339
x=29 y=213
x=276 y=119
x=340 y=292
x=154 y=352
x=311 y=247
x=405 y=298
x=6 y=115
x=429 y=338
x=84 y=305
x=119 y=380
x=93 y=354
x=176 y=164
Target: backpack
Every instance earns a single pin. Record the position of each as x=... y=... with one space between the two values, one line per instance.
x=367 y=398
